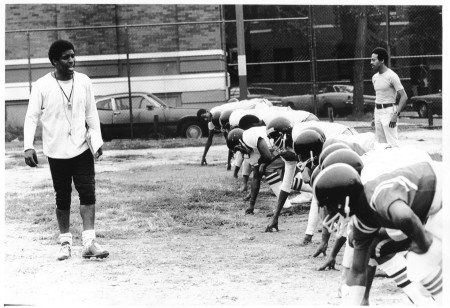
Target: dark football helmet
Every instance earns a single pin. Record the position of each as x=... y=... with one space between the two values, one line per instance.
x=249 y=120
x=338 y=187
x=224 y=120
x=327 y=150
x=314 y=175
x=279 y=130
x=308 y=145
x=215 y=119
x=235 y=143
x=345 y=156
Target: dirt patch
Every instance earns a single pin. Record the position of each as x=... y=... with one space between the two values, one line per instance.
x=242 y=266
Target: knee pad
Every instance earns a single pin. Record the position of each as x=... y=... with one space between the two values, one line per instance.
x=63 y=200
x=85 y=185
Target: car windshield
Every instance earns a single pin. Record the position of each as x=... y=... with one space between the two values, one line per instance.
x=156 y=100
x=343 y=88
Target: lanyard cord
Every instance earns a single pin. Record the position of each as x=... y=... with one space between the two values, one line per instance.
x=69 y=104
x=71 y=91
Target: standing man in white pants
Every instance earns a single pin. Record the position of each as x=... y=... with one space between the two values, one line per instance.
x=386 y=84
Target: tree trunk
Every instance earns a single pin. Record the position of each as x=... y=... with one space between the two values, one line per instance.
x=358 y=69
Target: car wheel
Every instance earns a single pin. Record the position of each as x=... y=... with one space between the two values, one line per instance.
x=191 y=130
x=423 y=110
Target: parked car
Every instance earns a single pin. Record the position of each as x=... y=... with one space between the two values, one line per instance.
x=339 y=98
x=151 y=117
x=424 y=104
x=258 y=92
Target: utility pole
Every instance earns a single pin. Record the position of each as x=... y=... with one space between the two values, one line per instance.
x=242 y=63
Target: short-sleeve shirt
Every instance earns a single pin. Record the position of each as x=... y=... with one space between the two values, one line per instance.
x=414 y=184
x=250 y=138
x=386 y=86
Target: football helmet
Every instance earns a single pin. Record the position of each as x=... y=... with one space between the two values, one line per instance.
x=235 y=143
x=279 y=131
x=338 y=187
x=314 y=175
x=308 y=145
x=249 y=120
x=345 y=156
x=215 y=119
x=327 y=150
x=224 y=119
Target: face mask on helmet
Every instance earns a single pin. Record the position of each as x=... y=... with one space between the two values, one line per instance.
x=277 y=140
x=278 y=132
x=332 y=222
x=243 y=148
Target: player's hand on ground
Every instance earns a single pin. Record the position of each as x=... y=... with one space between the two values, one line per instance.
x=321 y=249
x=273 y=225
x=204 y=163
x=330 y=264
x=31 y=158
x=243 y=188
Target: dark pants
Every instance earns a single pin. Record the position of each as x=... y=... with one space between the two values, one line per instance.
x=79 y=168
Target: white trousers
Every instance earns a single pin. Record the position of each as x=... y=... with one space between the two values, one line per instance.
x=384 y=133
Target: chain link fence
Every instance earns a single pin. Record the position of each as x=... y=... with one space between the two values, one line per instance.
x=295 y=50
x=315 y=50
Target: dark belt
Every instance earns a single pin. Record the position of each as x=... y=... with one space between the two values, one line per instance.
x=382 y=106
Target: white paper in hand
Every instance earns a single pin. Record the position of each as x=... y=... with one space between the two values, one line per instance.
x=94 y=140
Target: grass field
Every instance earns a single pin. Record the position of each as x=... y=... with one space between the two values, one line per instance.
x=176 y=231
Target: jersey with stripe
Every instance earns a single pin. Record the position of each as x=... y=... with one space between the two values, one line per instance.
x=414 y=184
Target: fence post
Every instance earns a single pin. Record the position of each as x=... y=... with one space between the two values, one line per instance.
x=430 y=115
x=127 y=42
x=242 y=62
x=312 y=51
x=29 y=60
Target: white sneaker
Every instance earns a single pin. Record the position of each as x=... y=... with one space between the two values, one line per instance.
x=303 y=197
x=65 y=252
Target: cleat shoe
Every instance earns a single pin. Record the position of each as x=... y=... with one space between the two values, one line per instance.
x=94 y=250
x=65 y=252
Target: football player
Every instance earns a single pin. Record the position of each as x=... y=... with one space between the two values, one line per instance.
x=406 y=198
x=213 y=118
x=387 y=242
x=255 y=147
x=308 y=137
